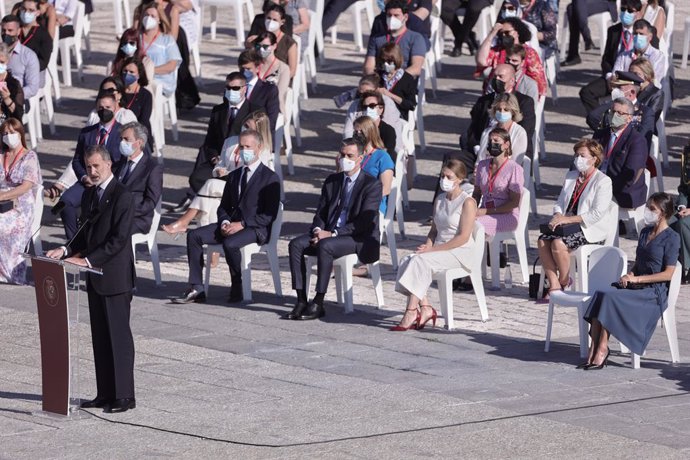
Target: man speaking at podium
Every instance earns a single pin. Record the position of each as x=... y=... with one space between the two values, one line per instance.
x=104 y=241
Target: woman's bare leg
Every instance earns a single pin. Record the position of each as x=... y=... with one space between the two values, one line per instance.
x=547 y=262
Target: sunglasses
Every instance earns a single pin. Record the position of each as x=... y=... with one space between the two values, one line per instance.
x=235 y=88
x=132 y=43
x=505 y=33
x=629 y=10
x=264 y=47
x=373 y=105
x=509 y=8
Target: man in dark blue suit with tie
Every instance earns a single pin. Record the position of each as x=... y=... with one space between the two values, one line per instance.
x=346 y=222
x=106 y=133
x=249 y=207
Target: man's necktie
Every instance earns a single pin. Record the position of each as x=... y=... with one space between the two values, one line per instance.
x=243 y=182
x=96 y=198
x=231 y=119
x=627 y=41
x=343 y=202
x=128 y=171
x=104 y=134
x=249 y=90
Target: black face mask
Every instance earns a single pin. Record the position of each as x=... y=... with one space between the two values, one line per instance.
x=105 y=115
x=360 y=138
x=495 y=149
x=499 y=86
x=507 y=41
x=8 y=39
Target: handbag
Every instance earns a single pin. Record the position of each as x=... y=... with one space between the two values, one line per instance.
x=561 y=230
x=534 y=278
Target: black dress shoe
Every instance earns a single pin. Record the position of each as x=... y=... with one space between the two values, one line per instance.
x=120 y=405
x=571 y=61
x=296 y=311
x=590 y=45
x=181 y=206
x=312 y=311
x=456 y=52
x=235 y=297
x=98 y=402
x=191 y=296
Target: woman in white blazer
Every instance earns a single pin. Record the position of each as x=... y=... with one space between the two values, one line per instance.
x=584 y=200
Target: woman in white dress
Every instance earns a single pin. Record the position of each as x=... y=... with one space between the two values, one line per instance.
x=449 y=244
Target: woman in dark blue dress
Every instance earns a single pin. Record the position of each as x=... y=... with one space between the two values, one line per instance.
x=631 y=315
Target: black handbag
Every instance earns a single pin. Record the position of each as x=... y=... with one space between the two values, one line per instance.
x=561 y=230
x=534 y=278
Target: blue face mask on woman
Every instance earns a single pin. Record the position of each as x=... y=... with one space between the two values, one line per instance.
x=503 y=117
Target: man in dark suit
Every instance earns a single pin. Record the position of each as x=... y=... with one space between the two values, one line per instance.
x=249 y=207
x=626 y=156
x=577 y=14
x=261 y=94
x=142 y=174
x=503 y=82
x=104 y=241
x=346 y=222
x=106 y=133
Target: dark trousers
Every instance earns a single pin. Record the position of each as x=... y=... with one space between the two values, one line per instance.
x=577 y=13
x=332 y=10
x=113 y=345
x=203 y=171
x=461 y=31
x=592 y=92
x=210 y=234
x=70 y=213
x=326 y=251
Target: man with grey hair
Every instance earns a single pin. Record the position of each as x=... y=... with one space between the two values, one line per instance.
x=625 y=155
x=141 y=174
x=104 y=241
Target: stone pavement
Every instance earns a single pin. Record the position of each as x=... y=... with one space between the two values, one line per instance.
x=237 y=382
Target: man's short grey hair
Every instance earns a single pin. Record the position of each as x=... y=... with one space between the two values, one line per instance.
x=627 y=103
x=97 y=150
x=140 y=131
x=255 y=134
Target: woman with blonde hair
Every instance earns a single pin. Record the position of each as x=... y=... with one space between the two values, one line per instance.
x=376 y=161
x=20 y=174
x=505 y=113
x=649 y=95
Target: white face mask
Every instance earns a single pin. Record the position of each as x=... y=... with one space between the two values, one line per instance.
x=617 y=93
x=11 y=140
x=264 y=53
x=150 y=22
x=347 y=165
x=446 y=184
x=581 y=164
x=650 y=217
x=233 y=97
x=372 y=113
x=388 y=67
x=393 y=23
x=271 y=25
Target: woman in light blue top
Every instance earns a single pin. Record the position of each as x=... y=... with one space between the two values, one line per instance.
x=376 y=161
x=156 y=43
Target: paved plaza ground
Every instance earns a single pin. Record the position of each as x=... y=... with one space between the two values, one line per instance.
x=215 y=381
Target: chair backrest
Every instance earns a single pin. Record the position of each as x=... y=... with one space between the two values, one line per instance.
x=79 y=24
x=613 y=229
x=276 y=226
x=38 y=209
x=606 y=265
x=523 y=207
x=479 y=240
x=311 y=36
x=674 y=286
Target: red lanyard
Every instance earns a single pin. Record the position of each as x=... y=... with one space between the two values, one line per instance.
x=107 y=133
x=626 y=43
x=578 y=191
x=368 y=157
x=492 y=178
x=28 y=39
x=14 y=162
x=267 y=70
x=397 y=40
x=143 y=42
x=133 y=99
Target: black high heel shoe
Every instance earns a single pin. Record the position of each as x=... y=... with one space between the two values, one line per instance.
x=583 y=365
x=604 y=363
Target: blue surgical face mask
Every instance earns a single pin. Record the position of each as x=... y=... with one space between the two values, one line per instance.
x=627 y=18
x=126 y=148
x=128 y=78
x=381 y=4
x=248 y=74
x=233 y=97
x=640 y=42
x=503 y=117
x=247 y=155
x=372 y=113
x=129 y=49
x=3 y=68
x=27 y=17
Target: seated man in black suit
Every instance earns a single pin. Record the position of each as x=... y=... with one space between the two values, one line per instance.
x=249 y=207
x=346 y=222
x=261 y=94
x=503 y=82
x=141 y=174
x=107 y=133
x=626 y=156
x=105 y=242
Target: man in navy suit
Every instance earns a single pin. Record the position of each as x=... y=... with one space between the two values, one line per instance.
x=260 y=94
x=626 y=155
x=346 y=222
x=249 y=207
x=141 y=174
x=105 y=242
x=106 y=133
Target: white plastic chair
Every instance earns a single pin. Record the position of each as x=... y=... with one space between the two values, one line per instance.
x=36 y=223
x=521 y=239
x=51 y=70
x=387 y=221
x=307 y=60
x=401 y=176
x=166 y=105
x=120 y=8
x=343 y=279
x=437 y=41
x=526 y=164
x=606 y=265
x=157 y=121
x=150 y=240
x=270 y=249
x=654 y=153
x=668 y=320
x=238 y=6
x=356 y=9
x=73 y=44
x=686 y=44
x=194 y=48
x=444 y=280
x=637 y=214
x=418 y=112
x=29 y=121
x=317 y=7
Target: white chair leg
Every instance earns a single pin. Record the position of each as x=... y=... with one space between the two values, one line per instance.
x=494 y=257
x=478 y=287
x=246 y=276
x=338 y=284
x=584 y=332
x=671 y=334
x=66 y=64
x=172 y=108
x=272 y=255
x=445 y=293
x=155 y=261
x=686 y=46
x=521 y=244
x=214 y=21
x=346 y=275
x=549 y=323
x=207 y=270
x=375 y=271
x=635 y=361
x=357 y=20
x=392 y=246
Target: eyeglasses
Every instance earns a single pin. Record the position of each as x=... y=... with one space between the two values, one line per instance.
x=133 y=43
x=623 y=114
x=109 y=90
x=373 y=105
x=509 y=7
x=234 y=88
